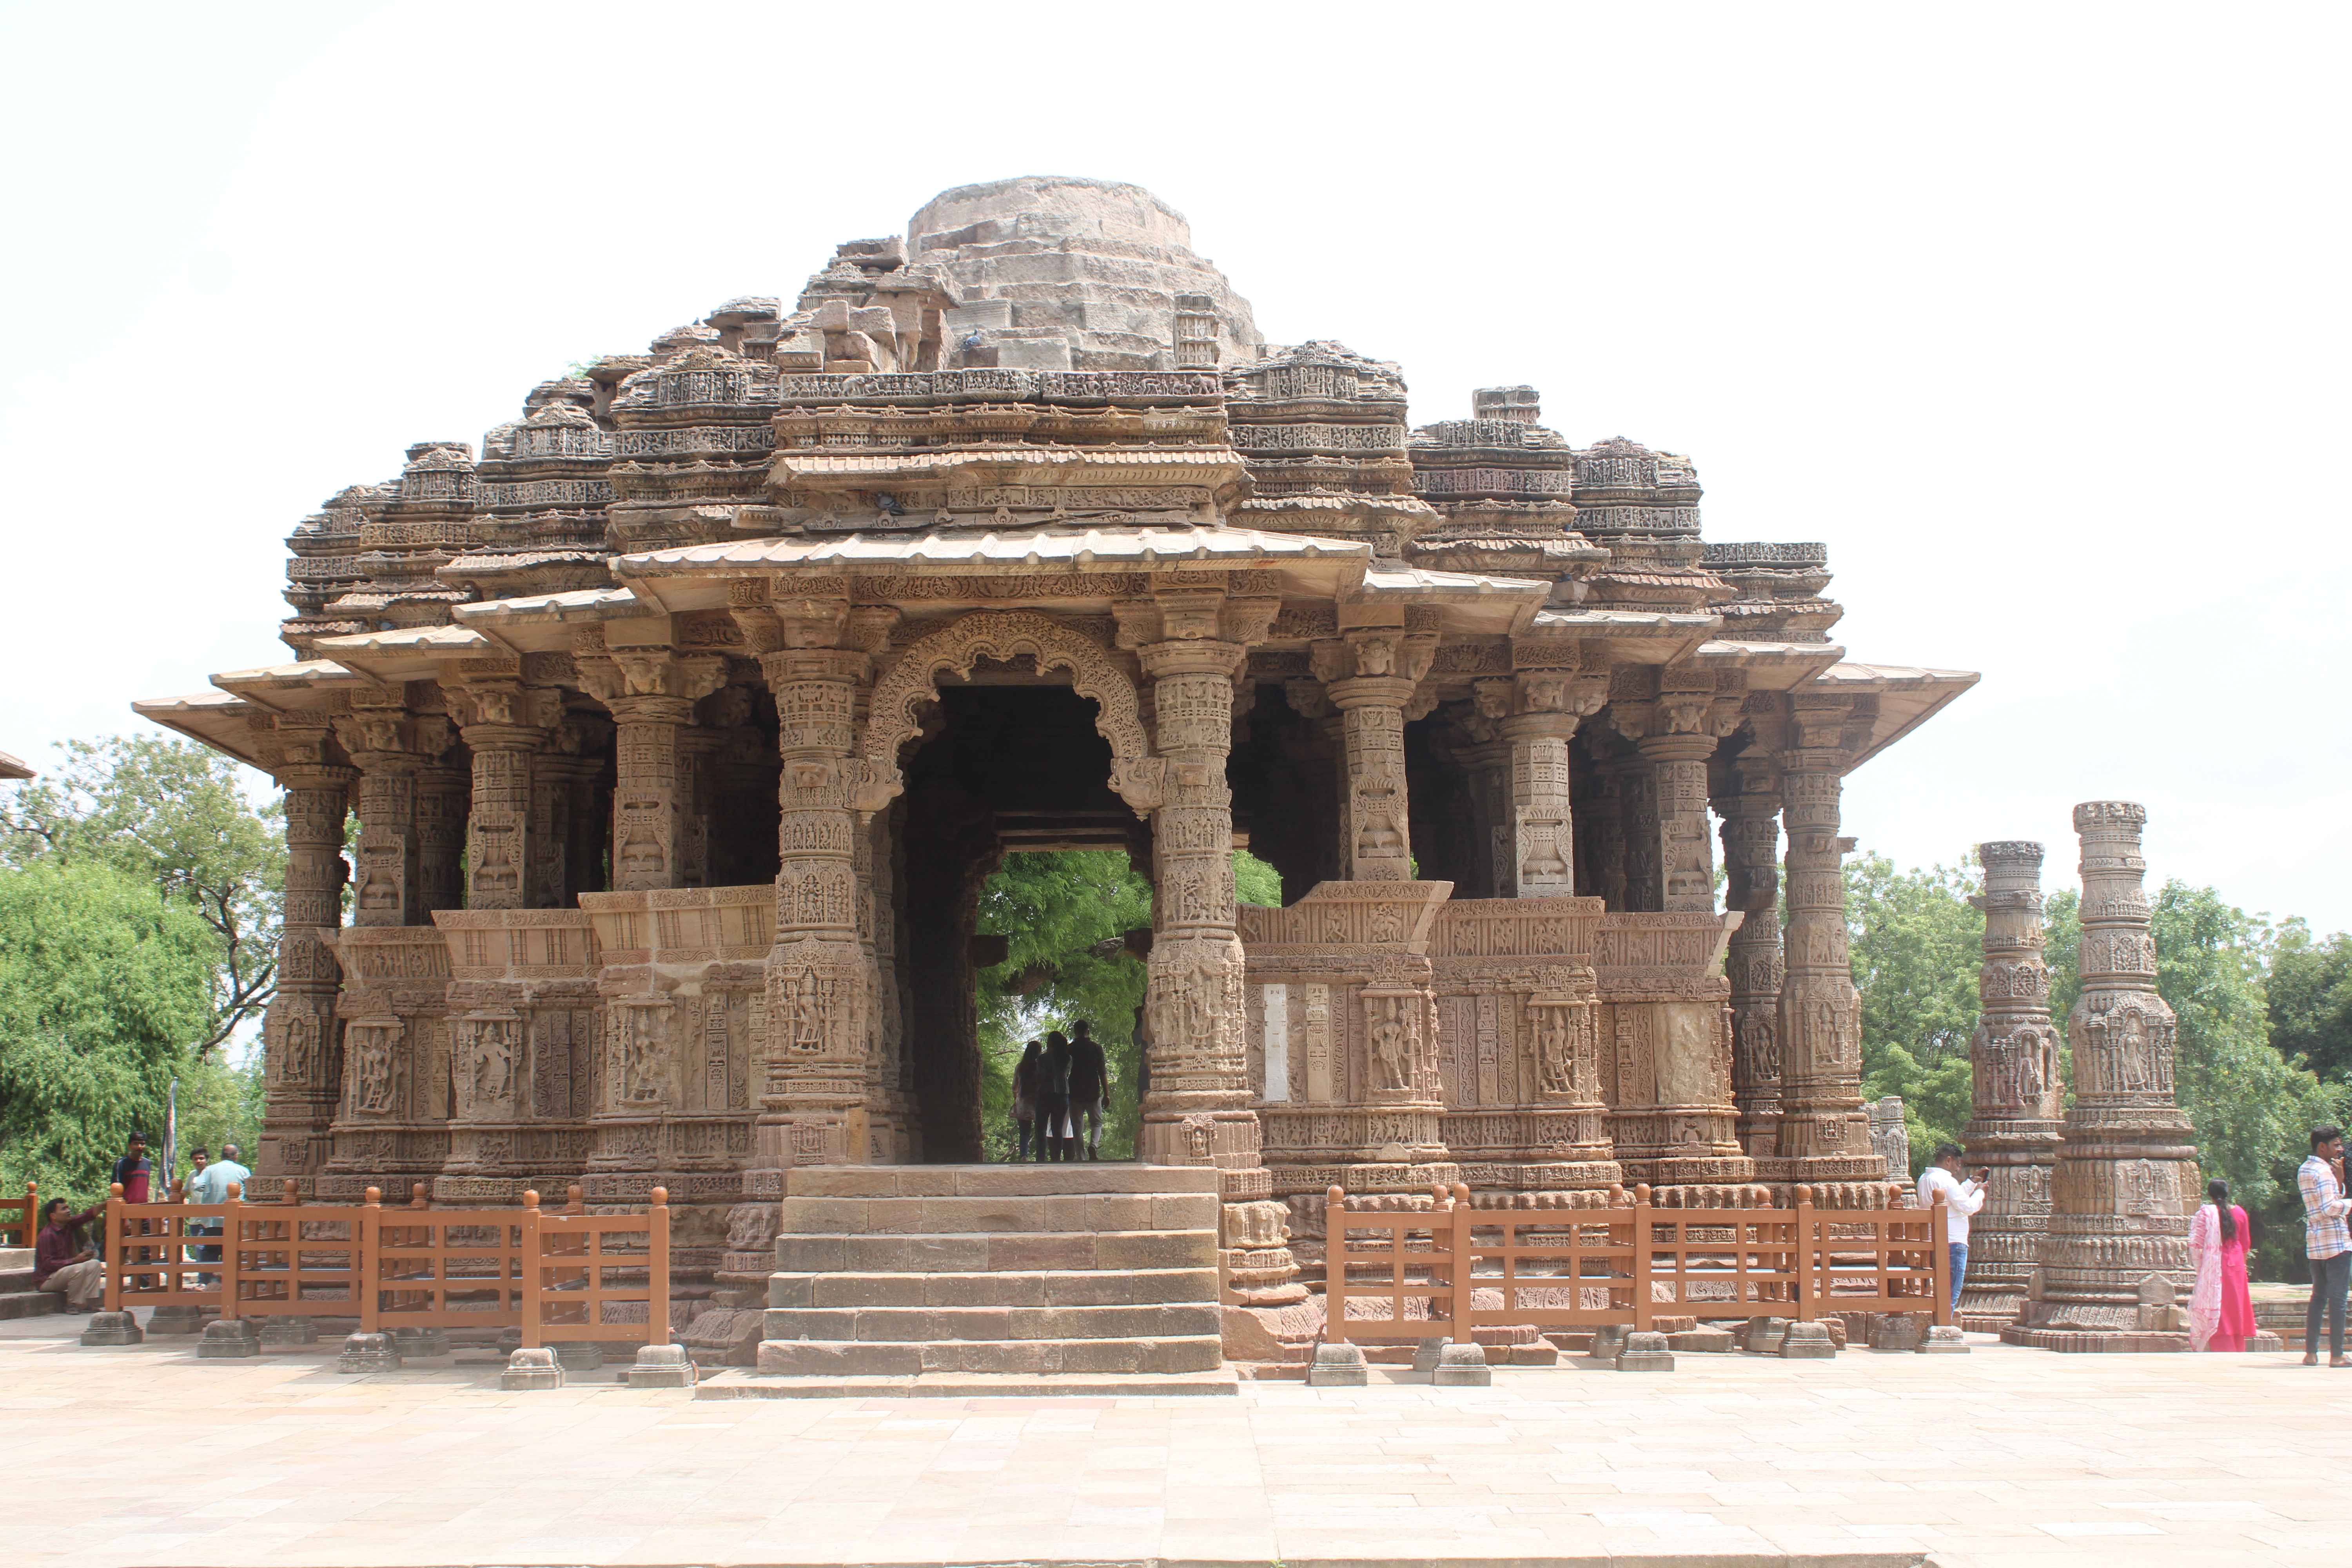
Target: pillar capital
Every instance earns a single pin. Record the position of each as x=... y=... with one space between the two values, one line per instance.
x=1200 y=655
x=1372 y=691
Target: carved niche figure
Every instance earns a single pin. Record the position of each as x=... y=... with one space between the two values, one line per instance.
x=371 y=1042
x=639 y=1032
x=1554 y=1041
x=299 y=1046
x=1390 y=1024
x=487 y=1060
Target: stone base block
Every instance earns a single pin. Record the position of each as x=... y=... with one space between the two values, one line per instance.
x=531 y=1369
x=1462 y=1366
x=416 y=1343
x=1701 y=1342
x=580 y=1355
x=662 y=1366
x=1608 y=1342
x=1425 y=1354
x=1646 y=1353
x=1808 y=1341
x=1524 y=1355
x=2081 y=1342
x=367 y=1352
x=229 y=1339
x=1898 y=1334
x=1764 y=1336
x=1343 y=1366
x=288 y=1333
x=176 y=1318
x=113 y=1328
x=1943 y=1339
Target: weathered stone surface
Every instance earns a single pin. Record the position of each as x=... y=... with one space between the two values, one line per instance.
x=112 y=1329
x=1462 y=1366
x=1945 y=1339
x=367 y=1352
x=1339 y=1367
x=1807 y=1341
x=1646 y=1353
x=530 y=1369
x=1899 y=1333
x=662 y=1366
x=1764 y=1336
x=229 y=1339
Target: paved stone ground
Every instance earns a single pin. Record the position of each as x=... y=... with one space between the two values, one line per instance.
x=2005 y=1455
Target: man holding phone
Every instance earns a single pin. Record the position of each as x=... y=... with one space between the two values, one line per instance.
x=1962 y=1197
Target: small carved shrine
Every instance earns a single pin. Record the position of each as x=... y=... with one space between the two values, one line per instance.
x=685 y=718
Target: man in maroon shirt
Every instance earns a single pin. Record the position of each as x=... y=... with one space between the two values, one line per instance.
x=60 y=1261
x=133 y=1171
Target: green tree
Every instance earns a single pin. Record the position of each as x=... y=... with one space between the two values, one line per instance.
x=2310 y=994
x=105 y=985
x=1064 y=916
x=2251 y=1107
x=176 y=814
x=1915 y=942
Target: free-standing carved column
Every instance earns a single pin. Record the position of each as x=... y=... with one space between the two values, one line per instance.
x=1751 y=843
x=2116 y=1254
x=1824 y=1132
x=2013 y=1056
x=820 y=1076
x=299 y=1034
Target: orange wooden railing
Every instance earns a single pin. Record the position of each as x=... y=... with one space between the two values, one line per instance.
x=1631 y=1263
x=561 y=1276
x=20 y=1218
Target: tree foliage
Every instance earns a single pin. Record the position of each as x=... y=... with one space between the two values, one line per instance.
x=1064 y=916
x=105 y=984
x=2310 y=994
x=174 y=814
x=1915 y=942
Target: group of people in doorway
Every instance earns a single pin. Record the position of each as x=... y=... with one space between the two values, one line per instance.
x=1059 y=1086
x=65 y=1261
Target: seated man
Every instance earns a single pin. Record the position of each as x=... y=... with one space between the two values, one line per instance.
x=60 y=1261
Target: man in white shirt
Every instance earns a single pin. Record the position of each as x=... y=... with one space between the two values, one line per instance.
x=209 y=1184
x=1961 y=1199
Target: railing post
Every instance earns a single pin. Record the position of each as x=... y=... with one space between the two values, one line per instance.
x=416 y=1199
x=1942 y=1260
x=1806 y=1286
x=367 y=1234
x=1643 y=1308
x=530 y=1271
x=1335 y=1266
x=230 y=1205
x=113 y=1247
x=657 y=1268
x=1459 y=1244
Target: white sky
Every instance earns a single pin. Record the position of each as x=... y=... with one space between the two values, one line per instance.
x=2034 y=314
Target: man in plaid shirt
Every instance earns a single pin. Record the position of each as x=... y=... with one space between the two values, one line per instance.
x=2326 y=1242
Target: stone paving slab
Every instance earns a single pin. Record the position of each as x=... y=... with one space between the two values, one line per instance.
x=145 y=1455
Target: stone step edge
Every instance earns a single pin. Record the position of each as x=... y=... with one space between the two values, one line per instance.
x=1102 y=1178
x=737 y=1383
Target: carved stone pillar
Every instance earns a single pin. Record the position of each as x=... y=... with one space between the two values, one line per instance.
x=498 y=827
x=1198 y=1111
x=390 y=746
x=820 y=1071
x=1370 y=674
x=1824 y=1134
x=299 y=1039
x=651 y=693
x=2115 y=1260
x=1547 y=706
x=441 y=801
x=2014 y=1061
x=1751 y=850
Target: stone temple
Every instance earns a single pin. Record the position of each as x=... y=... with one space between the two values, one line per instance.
x=685 y=718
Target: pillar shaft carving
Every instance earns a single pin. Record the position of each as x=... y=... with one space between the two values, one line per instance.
x=651 y=693
x=392 y=746
x=2013 y=1063
x=821 y=1069
x=2116 y=1253
x=1546 y=707
x=1751 y=844
x=301 y=1039
x=1370 y=676
x=1824 y=1134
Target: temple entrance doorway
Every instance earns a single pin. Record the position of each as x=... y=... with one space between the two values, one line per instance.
x=1021 y=877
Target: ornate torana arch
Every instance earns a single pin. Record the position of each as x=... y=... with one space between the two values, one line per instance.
x=1005 y=634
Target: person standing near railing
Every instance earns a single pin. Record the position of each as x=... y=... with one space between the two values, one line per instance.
x=2325 y=1242
x=1024 y=1096
x=1962 y=1197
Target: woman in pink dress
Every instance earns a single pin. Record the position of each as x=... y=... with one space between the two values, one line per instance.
x=2222 y=1311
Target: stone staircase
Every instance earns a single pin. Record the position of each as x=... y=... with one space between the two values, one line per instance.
x=978 y=1280
x=17 y=1297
